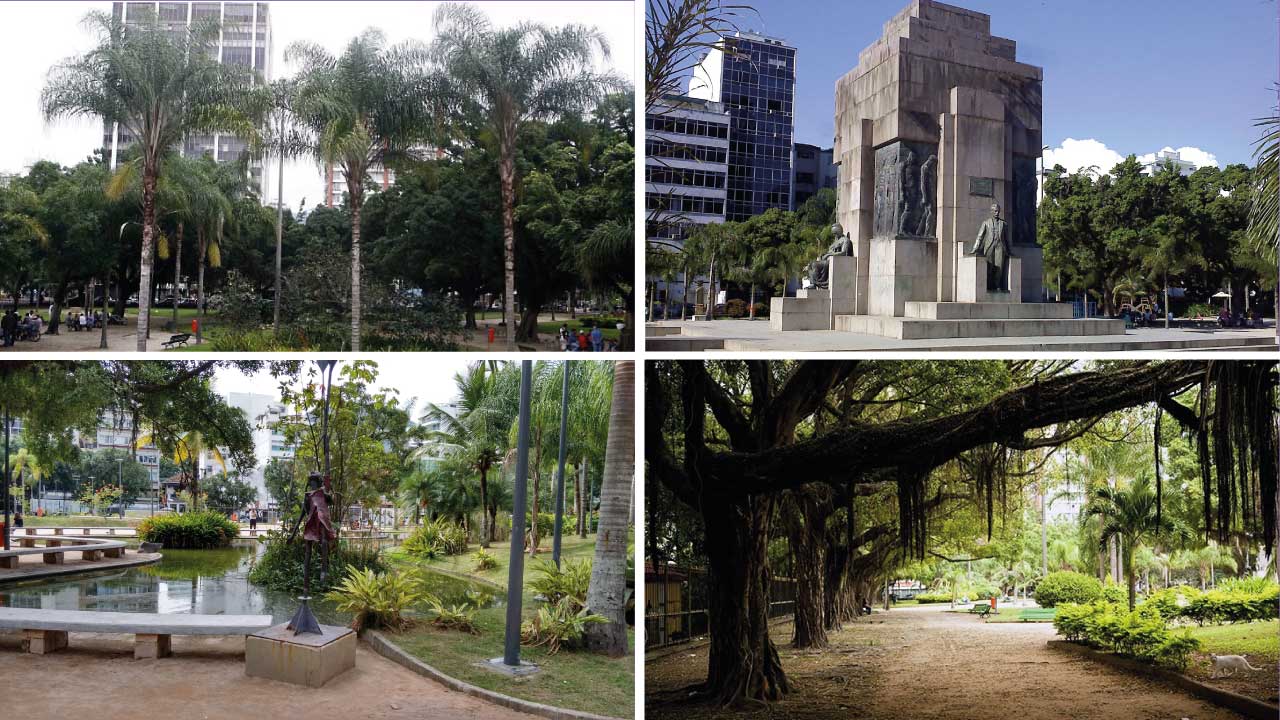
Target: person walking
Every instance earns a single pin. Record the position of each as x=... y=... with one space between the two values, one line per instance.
x=10 y=326
x=597 y=339
x=253 y=518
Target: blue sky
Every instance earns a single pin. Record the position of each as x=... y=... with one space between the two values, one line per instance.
x=1133 y=75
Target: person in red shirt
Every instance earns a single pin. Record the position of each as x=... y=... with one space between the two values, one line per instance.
x=584 y=344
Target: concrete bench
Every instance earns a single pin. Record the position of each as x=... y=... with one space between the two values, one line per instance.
x=55 y=549
x=45 y=631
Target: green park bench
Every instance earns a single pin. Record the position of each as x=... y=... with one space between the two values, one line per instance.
x=1037 y=614
x=176 y=340
x=983 y=609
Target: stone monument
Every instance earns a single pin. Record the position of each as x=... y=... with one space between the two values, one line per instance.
x=938 y=123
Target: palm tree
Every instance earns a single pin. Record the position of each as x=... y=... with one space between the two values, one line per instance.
x=510 y=76
x=475 y=427
x=185 y=448
x=369 y=107
x=1209 y=558
x=159 y=84
x=606 y=595
x=1264 y=215
x=25 y=461
x=1129 y=515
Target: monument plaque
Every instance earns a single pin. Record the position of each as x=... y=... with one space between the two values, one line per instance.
x=982 y=187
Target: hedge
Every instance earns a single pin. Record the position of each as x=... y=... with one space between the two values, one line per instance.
x=1141 y=634
x=197 y=530
x=1067 y=587
x=1224 y=604
x=924 y=598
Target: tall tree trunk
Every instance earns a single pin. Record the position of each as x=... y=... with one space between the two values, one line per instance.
x=742 y=663
x=607 y=593
x=484 y=505
x=59 y=297
x=537 y=485
x=806 y=528
x=751 y=302
x=177 y=274
x=201 y=258
x=577 y=499
x=356 y=308
x=585 y=527
x=149 y=173
x=506 y=176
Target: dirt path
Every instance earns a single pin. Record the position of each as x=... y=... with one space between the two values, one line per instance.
x=97 y=677
x=922 y=663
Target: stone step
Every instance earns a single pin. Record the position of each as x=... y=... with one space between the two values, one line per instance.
x=904 y=328
x=988 y=311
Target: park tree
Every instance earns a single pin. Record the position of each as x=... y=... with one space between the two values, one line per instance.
x=507 y=77
x=228 y=493
x=160 y=86
x=112 y=466
x=730 y=439
x=1130 y=515
x=606 y=594
x=368 y=107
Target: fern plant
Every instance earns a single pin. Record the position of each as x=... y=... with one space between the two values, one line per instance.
x=560 y=625
x=376 y=600
x=569 y=582
x=484 y=561
x=456 y=617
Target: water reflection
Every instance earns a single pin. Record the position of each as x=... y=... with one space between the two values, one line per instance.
x=198 y=582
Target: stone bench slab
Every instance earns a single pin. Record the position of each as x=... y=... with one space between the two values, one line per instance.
x=988 y=311
x=136 y=623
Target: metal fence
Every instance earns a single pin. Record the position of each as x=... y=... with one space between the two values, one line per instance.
x=676 y=600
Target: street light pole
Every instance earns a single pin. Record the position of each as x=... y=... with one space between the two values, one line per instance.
x=6 y=477
x=564 y=425
x=515 y=575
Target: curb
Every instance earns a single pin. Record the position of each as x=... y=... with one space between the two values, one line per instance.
x=384 y=647
x=146 y=559
x=1246 y=706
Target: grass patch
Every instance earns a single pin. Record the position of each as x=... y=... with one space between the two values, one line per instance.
x=1011 y=616
x=610 y=332
x=1258 y=640
x=572 y=679
x=79 y=521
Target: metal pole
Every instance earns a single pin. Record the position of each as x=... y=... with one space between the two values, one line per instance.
x=275 y=321
x=106 y=290
x=6 y=477
x=564 y=428
x=515 y=576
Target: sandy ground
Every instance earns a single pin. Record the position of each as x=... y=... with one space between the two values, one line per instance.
x=120 y=338
x=97 y=677
x=921 y=663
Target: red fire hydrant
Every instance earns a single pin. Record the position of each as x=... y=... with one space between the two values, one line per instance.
x=492 y=334
x=195 y=325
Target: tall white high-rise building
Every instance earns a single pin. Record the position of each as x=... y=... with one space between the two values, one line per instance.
x=244 y=39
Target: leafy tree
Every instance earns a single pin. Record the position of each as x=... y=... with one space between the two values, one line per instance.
x=160 y=86
x=505 y=77
x=1130 y=515
x=282 y=485
x=369 y=107
x=229 y=494
x=117 y=467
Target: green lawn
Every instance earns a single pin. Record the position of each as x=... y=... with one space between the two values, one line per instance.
x=1010 y=615
x=610 y=332
x=573 y=679
x=1258 y=640
x=78 y=521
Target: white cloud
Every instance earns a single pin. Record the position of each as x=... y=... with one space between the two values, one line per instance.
x=1076 y=155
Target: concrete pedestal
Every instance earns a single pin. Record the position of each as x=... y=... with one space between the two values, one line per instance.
x=311 y=660
x=814 y=308
x=42 y=642
x=971 y=282
x=902 y=270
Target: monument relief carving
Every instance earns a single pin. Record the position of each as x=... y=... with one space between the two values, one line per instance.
x=906 y=194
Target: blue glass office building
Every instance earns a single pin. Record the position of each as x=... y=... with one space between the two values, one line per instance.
x=755 y=78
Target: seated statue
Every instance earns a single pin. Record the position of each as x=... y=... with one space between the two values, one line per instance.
x=993 y=244
x=819 y=270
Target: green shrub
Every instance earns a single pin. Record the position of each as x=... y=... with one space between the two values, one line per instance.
x=1067 y=587
x=484 y=561
x=1115 y=593
x=558 y=625
x=435 y=538
x=376 y=599
x=457 y=617
x=762 y=310
x=1141 y=633
x=1249 y=585
x=735 y=308
x=280 y=567
x=925 y=598
x=1234 y=602
x=569 y=582
x=199 y=530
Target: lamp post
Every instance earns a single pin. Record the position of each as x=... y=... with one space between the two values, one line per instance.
x=6 y=477
x=515 y=575
x=120 y=482
x=564 y=426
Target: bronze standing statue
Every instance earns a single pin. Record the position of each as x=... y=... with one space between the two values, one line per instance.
x=316 y=528
x=993 y=244
x=819 y=270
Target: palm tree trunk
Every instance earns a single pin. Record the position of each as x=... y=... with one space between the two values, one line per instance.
x=507 y=175
x=585 y=498
x=577 y=499
x=684 y=294
x=537 y=484
x=201 y=256
x=484 y=506
x=177 y=274
x=751 y=302
x=606 y=595
x=356 y=201
x=149 y=175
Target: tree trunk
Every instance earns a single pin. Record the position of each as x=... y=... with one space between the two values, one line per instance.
x=356 y=308
x=202 y=244
x=177 y=274
x=537 y=484
x=506 y=176
x=751 y=302
x=577 y=499
x=528 y=328
x=149 y=174
x=807 y=519
x=59 y=297
x=742 y=661
x=586 y=503
x=607 y=593
x=484 y=505
x=684 y=294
